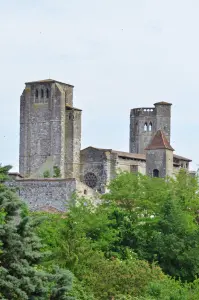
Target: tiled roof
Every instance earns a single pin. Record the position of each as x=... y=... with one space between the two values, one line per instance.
x=159 y=141
x=130 y=155
x=121 y=153
x=133 y=155
x=181 y=157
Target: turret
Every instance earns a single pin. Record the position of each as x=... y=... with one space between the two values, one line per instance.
x=159 y=156
x=144 y=122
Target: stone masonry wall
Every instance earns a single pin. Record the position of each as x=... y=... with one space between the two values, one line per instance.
x=94 y=163
x=145 y=122
x=45 y=192
x=126 y=165
x=42 y=125
x=50 y=193
x=159 y=159
x=156 y=159
x=34 y=128
x=139 y=137
x=163 y=119
x=72 y=143
x=169 y=163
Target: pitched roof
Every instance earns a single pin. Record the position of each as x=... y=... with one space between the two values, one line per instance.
x=48 y=81
x=120 y=153
x=159 y=141
x=133 y=155
x=69 y=107
x=162 y=103
x=15 y=174
x=181 y=157
x=129 y=155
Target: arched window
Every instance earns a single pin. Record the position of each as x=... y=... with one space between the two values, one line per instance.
x=145 y=127
x=47 y=93
x=155 y=173
x=42 y=93
x=150 y=126
x=36 y=94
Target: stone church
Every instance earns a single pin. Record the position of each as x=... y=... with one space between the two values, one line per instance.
x=50 y=138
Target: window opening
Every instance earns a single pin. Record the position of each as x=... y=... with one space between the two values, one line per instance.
x=150 y=126
x=155 y=173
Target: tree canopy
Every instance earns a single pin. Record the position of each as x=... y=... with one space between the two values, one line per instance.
x=141 y=242
x=21 y=273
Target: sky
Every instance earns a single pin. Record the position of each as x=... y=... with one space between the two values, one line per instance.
x=118 y=54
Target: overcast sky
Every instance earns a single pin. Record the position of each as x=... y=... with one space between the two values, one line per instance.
x=118 y=54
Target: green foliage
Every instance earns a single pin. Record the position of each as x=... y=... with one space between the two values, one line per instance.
x=96 y=276
x=99 y=245
x=126 y=248
x=46 y=174
x=111 y=278
x=61 y=284
x=57 y=172
x=4 y=172
x=156 y=218
x=80 y=292
x=21 y=276
x=70 y=237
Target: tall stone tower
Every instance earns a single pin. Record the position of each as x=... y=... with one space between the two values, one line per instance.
x=50 y=129
x=159 y=156
x=144 y=122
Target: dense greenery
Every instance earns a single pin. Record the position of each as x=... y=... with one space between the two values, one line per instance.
x=158 y=220
x=140 y=243
x=21 y=273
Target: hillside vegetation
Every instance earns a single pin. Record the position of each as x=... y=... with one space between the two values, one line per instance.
x=140 y=243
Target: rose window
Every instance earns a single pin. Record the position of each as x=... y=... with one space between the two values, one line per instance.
x=90 y=180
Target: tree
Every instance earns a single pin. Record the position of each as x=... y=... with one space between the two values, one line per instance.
x=72 y=236
x=21 y=276
x=98 y=243
x=156 y=218
x=57 y=172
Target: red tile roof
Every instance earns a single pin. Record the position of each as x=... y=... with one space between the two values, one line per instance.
x=159 y=141
x=132 y=155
